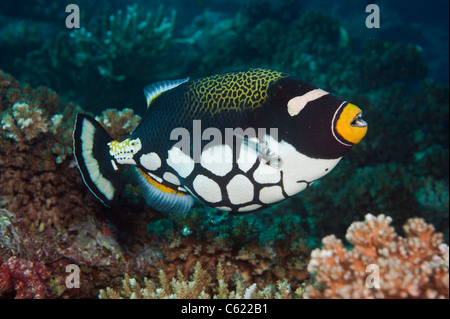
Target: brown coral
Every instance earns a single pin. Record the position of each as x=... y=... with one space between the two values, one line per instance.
x=255 y=263
x=119 y=123
x=381 y=263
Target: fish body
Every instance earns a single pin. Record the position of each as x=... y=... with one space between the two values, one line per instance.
x=240 y=141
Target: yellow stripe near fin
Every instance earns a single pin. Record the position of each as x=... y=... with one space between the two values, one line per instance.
x=159 y=186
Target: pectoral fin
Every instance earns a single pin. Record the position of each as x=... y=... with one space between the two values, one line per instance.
x=266 y=154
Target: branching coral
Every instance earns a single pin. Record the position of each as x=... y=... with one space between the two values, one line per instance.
x=381 y=263
x=128 y=45
x=35 y=157
x=244 y=245
x=119 y=123
x=200 y=286
x=24 y=122
x=129 y=33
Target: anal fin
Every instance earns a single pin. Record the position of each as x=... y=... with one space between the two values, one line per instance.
x=161 y=197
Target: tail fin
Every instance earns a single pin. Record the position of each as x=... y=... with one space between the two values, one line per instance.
x=100 y=172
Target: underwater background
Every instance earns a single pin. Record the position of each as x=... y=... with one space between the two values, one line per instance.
x=386 y=203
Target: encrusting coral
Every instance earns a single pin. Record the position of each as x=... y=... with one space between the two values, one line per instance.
x=24 y=277
x=381 y=263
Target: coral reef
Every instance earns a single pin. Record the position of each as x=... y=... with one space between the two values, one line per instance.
x=101 y=51
x=119 y=123
x=200 y=286
x=36 y=156
x=26 y=278
x=48 y=217
x=415 y=266
x=243 y=244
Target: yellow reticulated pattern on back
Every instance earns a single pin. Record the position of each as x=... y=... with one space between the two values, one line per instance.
x=234 y=91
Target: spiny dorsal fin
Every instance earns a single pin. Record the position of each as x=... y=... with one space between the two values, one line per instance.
x=154 y=89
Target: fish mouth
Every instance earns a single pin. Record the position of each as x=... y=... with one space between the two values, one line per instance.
x=358 y=121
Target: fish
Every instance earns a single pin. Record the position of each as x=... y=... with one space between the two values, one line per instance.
x=240 y=142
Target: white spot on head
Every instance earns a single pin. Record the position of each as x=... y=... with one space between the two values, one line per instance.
x=180 y=162
x=296 y=104
x=207 y=189
x=271 y=194
x=151 y=161
x=240 y=190
x=171 y=178
x=218 y=159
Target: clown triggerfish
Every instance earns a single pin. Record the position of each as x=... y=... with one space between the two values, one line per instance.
x=239 y=142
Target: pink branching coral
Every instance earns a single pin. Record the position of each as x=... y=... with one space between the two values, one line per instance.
x=381 y=263
x=25 y=277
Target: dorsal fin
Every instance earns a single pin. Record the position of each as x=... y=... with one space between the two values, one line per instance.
x=154 y=89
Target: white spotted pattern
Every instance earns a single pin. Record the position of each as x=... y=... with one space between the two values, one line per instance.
x=217 y=159
x=247 y=157
x=151 y=161
x=266 y=174
x=171 y=178
x=180 y=162
x=240 y=190
x=207 y=189
x=271 y=194
x=249 y=208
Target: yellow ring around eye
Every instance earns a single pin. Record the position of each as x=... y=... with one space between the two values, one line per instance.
x=352 y=134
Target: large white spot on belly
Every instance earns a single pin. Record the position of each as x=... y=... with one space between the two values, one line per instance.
x=217 y=159
x=240 y=190
x=271 y=194
x=180 y=162
x=171 y=178
x=207 y=189
x=151 y=161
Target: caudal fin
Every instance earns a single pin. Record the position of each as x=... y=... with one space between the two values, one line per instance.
x=100 y=172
